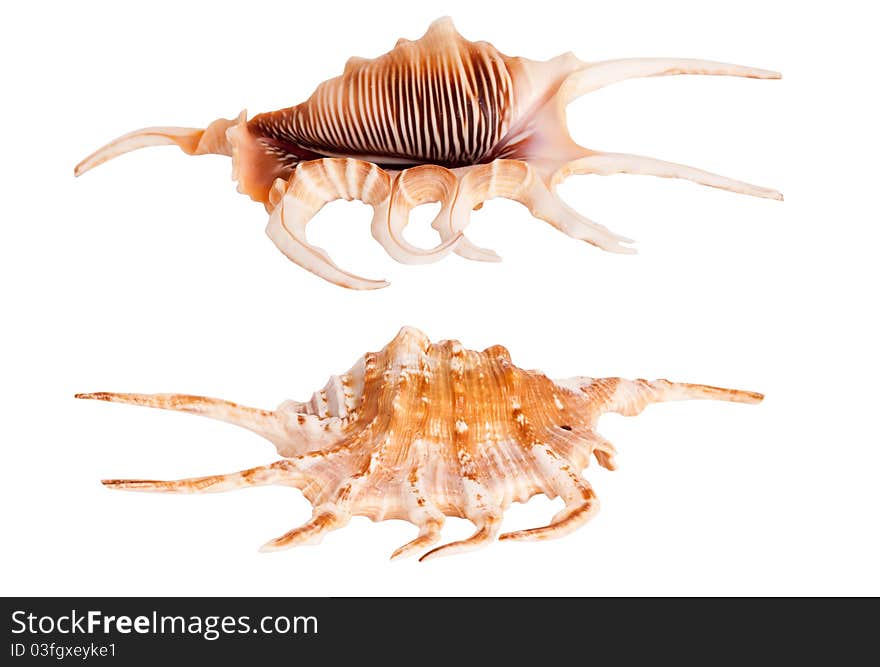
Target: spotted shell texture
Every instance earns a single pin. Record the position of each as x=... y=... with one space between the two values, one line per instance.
x=440 y=119
x=419 y=431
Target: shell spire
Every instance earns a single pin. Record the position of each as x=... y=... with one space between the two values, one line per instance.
x=420 y=431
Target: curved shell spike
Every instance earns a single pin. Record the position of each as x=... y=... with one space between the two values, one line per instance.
x=311 y=186
x=419 y=431
x=593 y=76
x=191 y=140
x=411 y=188
x=517 y=180
x=465 y=247
x=605 y=164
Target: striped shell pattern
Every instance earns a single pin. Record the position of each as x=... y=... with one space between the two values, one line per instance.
x=440 y=119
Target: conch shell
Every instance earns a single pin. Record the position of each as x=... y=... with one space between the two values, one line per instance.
x=438 y=119
x=421 y=431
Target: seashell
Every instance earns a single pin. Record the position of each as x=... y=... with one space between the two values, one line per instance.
x=438 y=119
x=421 y=431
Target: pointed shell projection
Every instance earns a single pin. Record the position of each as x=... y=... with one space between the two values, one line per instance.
x=422 y=431
x=440 y=119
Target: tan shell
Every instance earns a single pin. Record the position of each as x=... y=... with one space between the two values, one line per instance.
x=420 y=431
x=437 y=119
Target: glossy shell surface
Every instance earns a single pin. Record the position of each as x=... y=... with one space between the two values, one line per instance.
x=439 y=119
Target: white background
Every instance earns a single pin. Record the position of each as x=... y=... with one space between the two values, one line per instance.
x=152 y=274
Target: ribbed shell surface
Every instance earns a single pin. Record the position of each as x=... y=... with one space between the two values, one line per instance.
x=440 y=100
x=443 y=425
x=419 y=431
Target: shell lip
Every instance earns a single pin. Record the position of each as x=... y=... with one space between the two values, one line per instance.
x=242 y=144
x=233 y=136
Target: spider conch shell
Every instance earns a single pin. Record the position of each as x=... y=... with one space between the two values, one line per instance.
x=421 y=431
x=437 y=119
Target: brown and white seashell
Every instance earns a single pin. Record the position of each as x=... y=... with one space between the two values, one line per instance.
x=439 y=119
x=421 y=431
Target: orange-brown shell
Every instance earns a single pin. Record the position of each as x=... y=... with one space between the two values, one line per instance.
x=419 y=431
